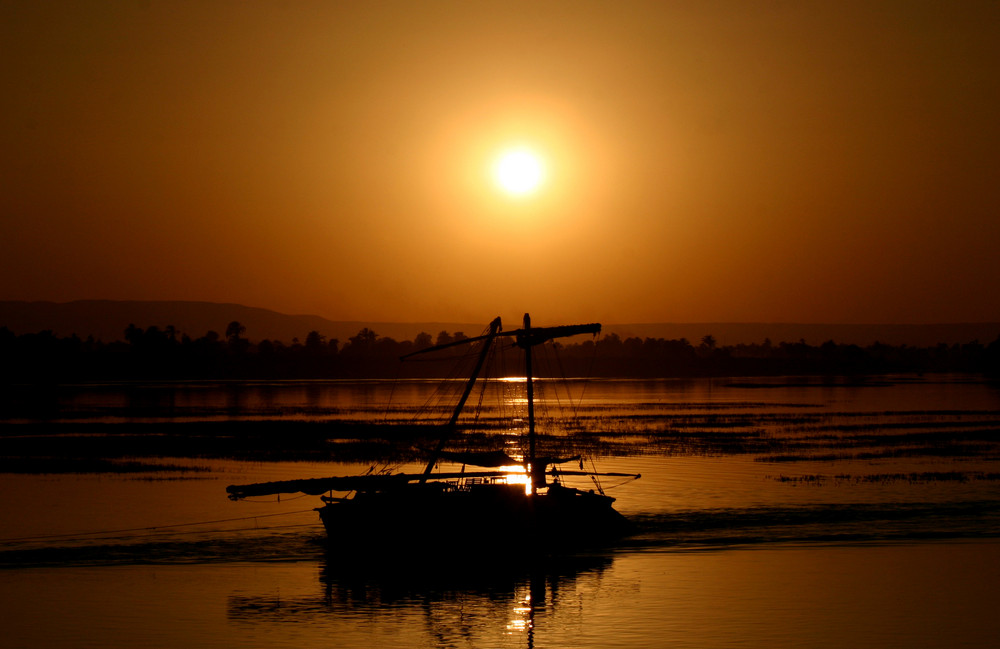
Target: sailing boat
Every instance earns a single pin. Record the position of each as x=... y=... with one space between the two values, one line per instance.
x=492 y=506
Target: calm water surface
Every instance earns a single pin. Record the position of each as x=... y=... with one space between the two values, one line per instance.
x=780 y=513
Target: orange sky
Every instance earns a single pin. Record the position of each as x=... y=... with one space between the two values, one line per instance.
x=707 y=161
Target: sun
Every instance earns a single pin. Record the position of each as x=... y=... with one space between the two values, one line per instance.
x=519 y=171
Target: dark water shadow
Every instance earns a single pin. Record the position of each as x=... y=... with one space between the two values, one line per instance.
x=457 y=601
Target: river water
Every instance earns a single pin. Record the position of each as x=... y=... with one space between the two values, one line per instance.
x=772 y=512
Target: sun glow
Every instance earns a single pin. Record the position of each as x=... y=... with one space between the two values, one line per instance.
x=519 y=171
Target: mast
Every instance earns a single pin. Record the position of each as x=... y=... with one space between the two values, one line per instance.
x=450 y=427
x=525 y=338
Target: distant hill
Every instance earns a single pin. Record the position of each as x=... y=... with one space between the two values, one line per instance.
x=107 y=320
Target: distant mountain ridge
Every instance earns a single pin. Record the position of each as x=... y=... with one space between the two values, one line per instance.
x=107 y=319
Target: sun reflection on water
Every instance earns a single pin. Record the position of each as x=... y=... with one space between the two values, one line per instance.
x=523 y=616
x=517 y=474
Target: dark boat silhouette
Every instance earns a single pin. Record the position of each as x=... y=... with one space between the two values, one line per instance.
x=507 y=502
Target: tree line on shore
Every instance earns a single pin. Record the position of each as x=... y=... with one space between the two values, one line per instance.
x=155 y=353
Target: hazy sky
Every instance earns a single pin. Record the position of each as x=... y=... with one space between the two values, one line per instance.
x=705 y=161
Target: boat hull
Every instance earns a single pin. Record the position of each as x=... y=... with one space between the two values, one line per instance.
x=502 y=515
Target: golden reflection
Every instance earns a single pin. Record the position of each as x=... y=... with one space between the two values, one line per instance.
x=516 y=474
x=524 y=615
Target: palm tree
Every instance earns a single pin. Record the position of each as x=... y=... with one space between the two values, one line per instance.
x=234 y=331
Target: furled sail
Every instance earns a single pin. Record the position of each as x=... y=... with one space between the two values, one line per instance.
x=483 y=458
x=318 y=486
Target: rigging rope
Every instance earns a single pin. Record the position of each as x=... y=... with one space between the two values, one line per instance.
x=588 y=378
x=392 y=392
x=484 y=383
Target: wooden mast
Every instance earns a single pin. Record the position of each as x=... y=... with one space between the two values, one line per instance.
x=525 y=338
x=450 y=427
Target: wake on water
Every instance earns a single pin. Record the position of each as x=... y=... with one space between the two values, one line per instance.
x=701 y=529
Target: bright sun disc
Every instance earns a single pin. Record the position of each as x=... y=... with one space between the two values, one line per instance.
x=519 y=172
